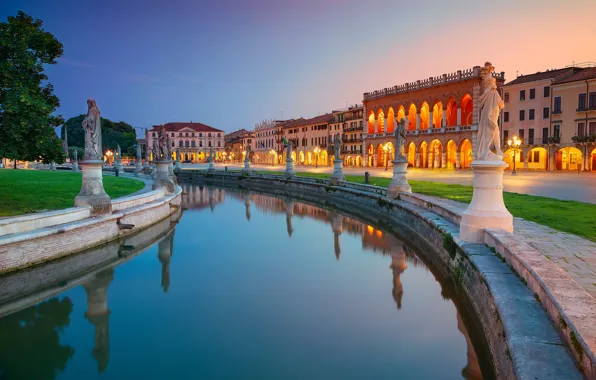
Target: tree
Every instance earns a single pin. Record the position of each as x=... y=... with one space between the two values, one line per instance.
x=112 y=134
x=27 y=100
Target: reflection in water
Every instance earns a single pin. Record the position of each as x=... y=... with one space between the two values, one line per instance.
x=30 y=341
x=99 y=314
x=32 y=335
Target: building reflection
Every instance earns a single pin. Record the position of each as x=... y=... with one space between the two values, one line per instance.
x=199 y=197
x=98 y=315
x=472 y=369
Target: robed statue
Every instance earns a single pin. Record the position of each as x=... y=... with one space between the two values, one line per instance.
x=490 y=104
x=75 y=155
x=92 y=127
x=289 y=151
x=211 y=156
x=400 y=136
x=247 y=154
x=163 y=144
x=139 y=158
x=336 y=147
x=119 y=152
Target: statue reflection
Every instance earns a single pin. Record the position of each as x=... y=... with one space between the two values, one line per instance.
x=247 y=206
x=472 y=370
x=165 y=251
x=289 y=215
x=98 y=314
x=337 y=228
x=398 y=266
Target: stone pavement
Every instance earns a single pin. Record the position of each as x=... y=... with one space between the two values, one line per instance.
x=574 y=254
x=560 y=185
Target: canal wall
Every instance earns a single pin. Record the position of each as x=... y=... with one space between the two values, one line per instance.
x=524 y=342
x=34 y=239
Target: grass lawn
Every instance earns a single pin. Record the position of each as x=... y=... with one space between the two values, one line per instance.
x=574 y=217
x=25 y=191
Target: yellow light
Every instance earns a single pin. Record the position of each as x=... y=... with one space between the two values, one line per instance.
x=509 y=142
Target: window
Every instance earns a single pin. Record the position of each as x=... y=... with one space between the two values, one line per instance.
x=153 y=134
x=219 y=135
x=531 y=115
x=192 y=143
x=532 y=93
x=546 y=91
x=180 y=143
x=545 y=113
x=209 y=134
x=522 y=95
x=505 y=135
x=531 y=136
x=200 y=143
x=173 y=134
x=218 y=143
x=522 y=115
x=592 y=100
x=186 y=134
x=581 y=102
x=506 y=117
x=557 y=130
x=521 y=135
x=581 y=129
x=534 y=156
x=193 y=134
x=180 y=134
x=593 y=127
x=545 y=135
x=506 y=97
x=557 y=106
x=187 y=144
x=209 y=144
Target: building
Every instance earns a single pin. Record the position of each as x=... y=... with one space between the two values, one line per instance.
x=349 y=122
x=551 y=113
x=314 y=140
x=267 y=142
x=441 y=115
x=193 y=140
x=236 y=143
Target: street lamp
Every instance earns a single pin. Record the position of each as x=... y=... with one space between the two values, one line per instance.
x=109 y=155
x=387 y=150
x=514 y=144
x=317 y=150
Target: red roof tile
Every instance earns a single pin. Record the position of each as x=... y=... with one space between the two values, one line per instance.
x=177 y=126
x=551 y=74
x=584 y=74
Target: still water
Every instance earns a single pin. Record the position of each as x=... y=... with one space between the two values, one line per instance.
x=244 y=286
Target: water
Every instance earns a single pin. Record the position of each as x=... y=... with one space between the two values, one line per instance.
x=244 y=286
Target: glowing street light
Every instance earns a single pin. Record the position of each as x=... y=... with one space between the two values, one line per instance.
x=317 y=151
x=109 y=154
x=514 y=144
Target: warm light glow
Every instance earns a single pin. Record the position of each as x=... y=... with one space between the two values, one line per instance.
x=317 y=150
x=370 y=230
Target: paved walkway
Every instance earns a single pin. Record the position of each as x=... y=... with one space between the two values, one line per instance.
x=560 y=185
x=575 y=255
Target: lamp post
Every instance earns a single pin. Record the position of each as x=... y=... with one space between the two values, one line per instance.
x=317 y=150
x=514 y=144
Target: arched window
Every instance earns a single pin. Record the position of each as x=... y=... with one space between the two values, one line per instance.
x=180 y=143
x=187 y=144
x=192 y=143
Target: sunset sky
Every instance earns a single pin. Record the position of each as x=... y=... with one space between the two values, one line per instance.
x=232 y=63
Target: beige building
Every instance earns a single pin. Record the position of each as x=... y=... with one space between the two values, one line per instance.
x=315 y=140
x=349 y=122
x=236 y=143
x=193 y=140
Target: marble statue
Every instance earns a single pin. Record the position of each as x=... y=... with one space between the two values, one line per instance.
x=92 y=127
x=211 y=156
x=163 y=145
x=400 y=136
x=336 y=143
x=139 y=158
x=289 y=151
x=247 y=155
x=119 y=152
x=177 y=155
x=490 y=104
x=75 y=155
x=155 y=149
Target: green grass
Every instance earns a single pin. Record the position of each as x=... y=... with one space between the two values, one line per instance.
x=25 y=191
x=574 y=217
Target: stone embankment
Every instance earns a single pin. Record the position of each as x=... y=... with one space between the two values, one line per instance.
x=535 y=318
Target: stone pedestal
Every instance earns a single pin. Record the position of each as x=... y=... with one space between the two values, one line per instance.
x=153 y=170
x=177 y=165
x=118 y=166
x=52 y=165
x=75 y=166
x=487 y=209
x=92 y=192
x=246 y=169
x=338 y=174
x=399 y=184
x=289 y=168
x=211 y=167
x=163 y=179
x=138 y=168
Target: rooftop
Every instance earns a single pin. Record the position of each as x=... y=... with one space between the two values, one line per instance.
x=579 y=75
x=543 y=75
x=177 y=126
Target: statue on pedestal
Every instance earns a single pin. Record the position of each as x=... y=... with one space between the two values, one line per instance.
x=163 y=144
x=211 y=155
x=400 y=137
x=289 y=151
x=337 y=143
x=247 y=154
x=75 y=155
x=490 y=103
x=92 y=126
x=139 y=158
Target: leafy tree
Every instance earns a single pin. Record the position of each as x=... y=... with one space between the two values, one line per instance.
x=30 y=347
x=112 y=134
x=27 y=100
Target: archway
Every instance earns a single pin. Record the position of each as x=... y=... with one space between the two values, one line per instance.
x=435 y=156
x=594 y=160
x=193 y=157
x=437 y=115
x=423 y=154
x=201 y=156
x=568 y=158
x=187 y=157
x=348 y=161
x=309 y=158
x=358 y=161
x=451 y=154
x=294 y=156
x=451 y=113
x=466 y=110
x=508 y=158
x=380 y=156
x=401 y=114
x=371 y=123
x=301 y=157
x=412 y=154
x=537 y=158
x=323 y=158
x=412 y=117
x=424 y=116
x=390 y=121
x=465 y=154
x=371 y=153
x=380 y=122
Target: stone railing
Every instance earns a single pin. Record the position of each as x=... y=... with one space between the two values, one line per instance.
x=30 y=222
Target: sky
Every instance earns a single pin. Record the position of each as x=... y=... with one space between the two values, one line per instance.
x=232 y=63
